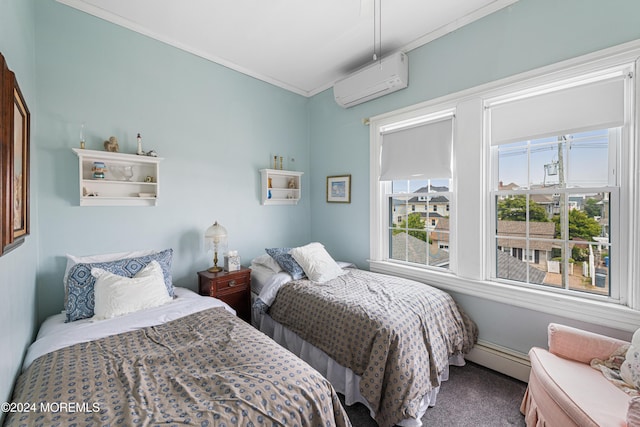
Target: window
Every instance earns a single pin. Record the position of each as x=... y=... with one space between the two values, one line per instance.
x=415 y=170
x=410 y=239
x=553 y=210
x=555 y=184
x=536 y=203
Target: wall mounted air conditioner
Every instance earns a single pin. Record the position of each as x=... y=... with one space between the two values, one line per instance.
x=377 y=79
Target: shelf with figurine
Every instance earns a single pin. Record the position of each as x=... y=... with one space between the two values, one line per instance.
x=281 y=187
x=111 y=178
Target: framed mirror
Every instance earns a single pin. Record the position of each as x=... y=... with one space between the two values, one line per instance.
x=15 y=122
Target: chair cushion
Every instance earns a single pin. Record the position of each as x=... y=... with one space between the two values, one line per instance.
x=579 y=345
x=582 y=392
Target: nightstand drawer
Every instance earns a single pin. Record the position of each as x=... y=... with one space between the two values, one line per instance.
x=231 y=284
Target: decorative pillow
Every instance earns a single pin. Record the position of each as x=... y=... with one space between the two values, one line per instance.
x=316 y=262
x=116 y=295
x=286 y=262
x=73 y=260
x=267 y=261
x=630 y=369
x=80 y=302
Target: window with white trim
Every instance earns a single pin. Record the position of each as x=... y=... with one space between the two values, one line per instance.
x=415 y=171
x=543 y=188
x=555 y=190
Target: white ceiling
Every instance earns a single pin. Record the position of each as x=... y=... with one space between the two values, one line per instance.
x=300 y=45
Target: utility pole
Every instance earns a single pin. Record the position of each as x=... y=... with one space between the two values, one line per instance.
x=564 y=228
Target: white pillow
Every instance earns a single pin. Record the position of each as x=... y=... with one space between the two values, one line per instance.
x=267 y=261
x=87 y=259
x=116 y=295
x=316 y=262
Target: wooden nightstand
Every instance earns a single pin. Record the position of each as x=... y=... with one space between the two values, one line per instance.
x=232 y=287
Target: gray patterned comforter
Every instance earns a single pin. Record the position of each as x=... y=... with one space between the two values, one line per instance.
x=205 y=369
x=395 y=333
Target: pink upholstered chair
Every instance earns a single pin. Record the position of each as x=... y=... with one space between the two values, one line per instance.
x=564 y=390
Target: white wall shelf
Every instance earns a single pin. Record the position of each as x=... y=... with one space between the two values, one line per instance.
x=129 y=179
x=285 y=188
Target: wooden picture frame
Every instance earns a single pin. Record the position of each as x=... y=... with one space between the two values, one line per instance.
x=15 y=124
x=339 y=189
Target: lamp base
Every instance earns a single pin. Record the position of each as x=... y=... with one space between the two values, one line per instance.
x=214 y=269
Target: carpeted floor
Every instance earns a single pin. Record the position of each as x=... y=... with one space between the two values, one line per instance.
x=473 y=396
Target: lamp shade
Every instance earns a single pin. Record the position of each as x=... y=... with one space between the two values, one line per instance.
x=216 y=234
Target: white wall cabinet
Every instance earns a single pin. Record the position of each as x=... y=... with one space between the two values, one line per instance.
x=129 y=179
x=280 y=187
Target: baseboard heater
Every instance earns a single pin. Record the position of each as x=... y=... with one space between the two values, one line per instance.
x=500 y=359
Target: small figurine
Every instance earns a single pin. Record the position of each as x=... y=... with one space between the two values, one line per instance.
x=112 y=145
x=152 y=153
x=139 y=152
x=292 y=183
x=98 y=170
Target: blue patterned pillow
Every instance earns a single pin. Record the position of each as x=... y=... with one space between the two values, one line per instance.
x=286 y=262
x=80 y=301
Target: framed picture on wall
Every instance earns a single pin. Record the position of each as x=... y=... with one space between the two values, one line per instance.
x=15 y=122
x=339 y=189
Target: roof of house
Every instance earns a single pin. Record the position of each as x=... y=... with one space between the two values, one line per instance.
x=510 y=186
x=430 y=214
x=434 y=199
x=408 y=248
x=512 y=268
x=435 y=188
x=537 y=230
x=542 y=199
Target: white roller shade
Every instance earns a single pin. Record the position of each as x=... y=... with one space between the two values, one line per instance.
x=598 y=105
x=417 y=152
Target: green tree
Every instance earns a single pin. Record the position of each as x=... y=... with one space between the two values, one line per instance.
x=514 y=208
x=415 y=227
x=592 y=208
x=580 y=225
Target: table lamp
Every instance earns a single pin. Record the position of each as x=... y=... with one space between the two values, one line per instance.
x=216 y=236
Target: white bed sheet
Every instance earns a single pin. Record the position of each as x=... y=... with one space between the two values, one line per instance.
x=259 y=276
x=55 y=333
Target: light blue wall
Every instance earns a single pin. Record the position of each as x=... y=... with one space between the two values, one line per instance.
x=214 y=127
x=18 y=267
x=526 y=35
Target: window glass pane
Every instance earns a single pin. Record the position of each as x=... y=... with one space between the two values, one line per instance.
x=512 y=166
x=419 y=222
x=588 y=159
x=538 y=207
x=400 y=186
x=547 y=165
x=558 y=238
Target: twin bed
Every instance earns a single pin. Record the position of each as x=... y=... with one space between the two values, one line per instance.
x=382 y=341
x=189 y=361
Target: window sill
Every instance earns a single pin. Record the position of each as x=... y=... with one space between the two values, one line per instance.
x=589 y=311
